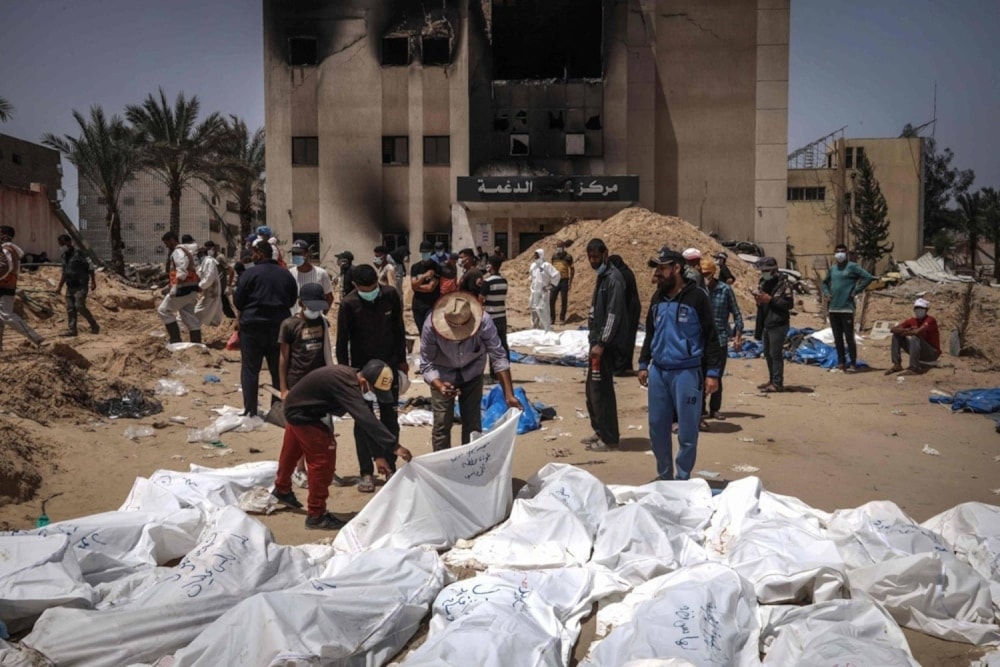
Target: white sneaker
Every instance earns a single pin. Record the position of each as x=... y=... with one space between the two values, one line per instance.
x=300 y=480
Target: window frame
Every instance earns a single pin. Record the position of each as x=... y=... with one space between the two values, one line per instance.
x=307 y=148
x=433 y=150
x=390 y=157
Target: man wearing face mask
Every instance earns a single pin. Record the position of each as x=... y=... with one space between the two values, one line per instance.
x=306 y=273
x=425 y=279
x=919 y=336
x=370 y=326
x=843 y=281
x=680 y=339
x=336 y=390
x=385 y=267
x=265 y=294
x=544 y=278
x=607 y=322
x=774 y=305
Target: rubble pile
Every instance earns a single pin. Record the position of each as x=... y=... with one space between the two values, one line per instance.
x=20 y=456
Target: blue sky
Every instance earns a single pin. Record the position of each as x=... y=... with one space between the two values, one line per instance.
x=868 y=64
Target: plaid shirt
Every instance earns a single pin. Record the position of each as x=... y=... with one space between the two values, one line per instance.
x=724 y=303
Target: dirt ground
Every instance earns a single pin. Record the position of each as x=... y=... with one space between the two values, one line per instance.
x=833 y=440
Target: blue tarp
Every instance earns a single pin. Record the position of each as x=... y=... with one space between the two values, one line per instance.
x=812 y=351
x=494 y=407
x=983 y=401
x=518 y=358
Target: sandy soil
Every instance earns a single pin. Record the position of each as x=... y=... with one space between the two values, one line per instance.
x=833 y=440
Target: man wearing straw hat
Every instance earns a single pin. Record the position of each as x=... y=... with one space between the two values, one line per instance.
x=454 y=344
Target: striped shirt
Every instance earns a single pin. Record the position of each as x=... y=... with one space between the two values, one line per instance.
x=494 y=290
x=723 y=305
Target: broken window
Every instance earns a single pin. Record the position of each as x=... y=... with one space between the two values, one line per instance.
x=547 y=39
x=520 y=144
x=437 y=150
x=305 y=150
x=435 y=51
x=395 y=150
x=556 y=121
x=302 y=51
x=594 y=122
x=396 y=51
x=501 y=121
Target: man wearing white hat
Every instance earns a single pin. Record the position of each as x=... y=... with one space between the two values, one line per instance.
x=919 y=336
x=692 y=267
x=454 y=344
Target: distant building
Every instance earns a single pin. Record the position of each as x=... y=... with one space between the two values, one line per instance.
x=821 y=202
x=145 y=211
x=495 y=122
x=30 y=182
x=23 y=163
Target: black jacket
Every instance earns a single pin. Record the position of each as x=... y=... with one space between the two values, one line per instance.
x=265 y=293
x=371 y=330
x=777 y=313
x=608 y=312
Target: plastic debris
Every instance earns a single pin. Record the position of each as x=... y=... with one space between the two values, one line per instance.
x=635 y=427
x=743 y=467
x=558 y=453
x=899 y=413
x=930 y=450
x=580 y=414
x=178 y=419
x=550 y=438
x=131 y=404
x=746 y=439
x=258 y=500
x=211 y=379
x=708 y=474
x=136 y=432
x=170 y=388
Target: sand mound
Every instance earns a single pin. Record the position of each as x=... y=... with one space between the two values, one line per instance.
x=20 y=456
x=634 y=233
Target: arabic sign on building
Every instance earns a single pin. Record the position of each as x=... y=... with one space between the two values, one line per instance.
x=548 y=188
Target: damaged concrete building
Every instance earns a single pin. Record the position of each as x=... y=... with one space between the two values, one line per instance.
x=495 y=122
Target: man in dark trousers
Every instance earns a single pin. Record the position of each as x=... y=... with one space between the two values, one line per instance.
x=335 y=390
x=844 y=281
x=633 y=313
x=370 y=326
x=77 y=272
x=608 y=317
x=345 y=260
x=425 y=279
x=680 y=339
x=774 y=305
x=265 y=294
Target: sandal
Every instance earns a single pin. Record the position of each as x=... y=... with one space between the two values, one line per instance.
x=703 y=425
x=771 y=389
x=366 y=484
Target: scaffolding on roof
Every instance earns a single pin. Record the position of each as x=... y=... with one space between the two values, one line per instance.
x=813 y=155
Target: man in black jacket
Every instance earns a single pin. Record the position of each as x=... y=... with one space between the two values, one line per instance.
x=774 y=304
x=633 y=313
x=265 y=294
x=370 y=326
x=608 y=317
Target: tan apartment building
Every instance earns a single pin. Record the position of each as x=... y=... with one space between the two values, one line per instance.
x=494 y=122
x=145 y=211
x=821 y=182
x=30 y=184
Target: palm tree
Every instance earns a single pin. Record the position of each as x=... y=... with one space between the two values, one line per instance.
x=971 y=206
x=240 y=170
x=104 y=155
x=6 y=110
x=173 y=145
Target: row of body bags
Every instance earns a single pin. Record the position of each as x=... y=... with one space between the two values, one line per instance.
x=677 y=576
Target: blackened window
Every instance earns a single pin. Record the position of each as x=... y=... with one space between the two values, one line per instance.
x=302 y=51
x=396 y=51
x=15 y=158
x=849 y=157
x=435 y=51
x=520 y=144
x=545 y=39
x=395 y=150
x=437 y=150
x=305 y=150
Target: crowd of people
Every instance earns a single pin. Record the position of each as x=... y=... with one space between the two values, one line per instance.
x=458 y=304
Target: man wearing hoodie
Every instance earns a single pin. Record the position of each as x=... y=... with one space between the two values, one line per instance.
x=544 y=277
x=843 y=282
x=10 y=265
x=680 y=339
x=774 y=307
x=181 y=295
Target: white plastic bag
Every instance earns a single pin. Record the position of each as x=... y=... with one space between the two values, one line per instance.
x=166 y=387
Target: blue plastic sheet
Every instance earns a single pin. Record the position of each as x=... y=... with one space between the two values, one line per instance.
x=983 y=401
x=812 y=351
x=518 y=358
x=494 y=406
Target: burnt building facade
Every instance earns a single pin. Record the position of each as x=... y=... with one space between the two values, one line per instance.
x=495 y=122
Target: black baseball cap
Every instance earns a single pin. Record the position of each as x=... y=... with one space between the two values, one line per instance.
x=312 y=296
x=380 y=378
x=347 y=254
x=666 y=256
x=300 y=247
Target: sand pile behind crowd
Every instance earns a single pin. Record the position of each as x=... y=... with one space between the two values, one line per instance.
x=634 y=233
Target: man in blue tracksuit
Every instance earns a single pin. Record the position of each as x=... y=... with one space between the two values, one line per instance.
x=680 y=330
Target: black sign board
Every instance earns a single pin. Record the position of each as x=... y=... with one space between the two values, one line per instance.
x=548 y=188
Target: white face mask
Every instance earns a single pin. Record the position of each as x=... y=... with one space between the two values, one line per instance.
x=840 y=256
x=311 y=314
x=920 y=313
x=767 y=275
x=369 y=396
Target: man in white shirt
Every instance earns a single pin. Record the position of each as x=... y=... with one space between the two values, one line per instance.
x=305 y=272
x=544 y=277
x=182 y=293
x=209 y=307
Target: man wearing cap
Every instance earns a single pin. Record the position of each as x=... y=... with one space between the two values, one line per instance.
x=544 y=278
x=441 y=253
x=305 y=273
x=692 y=267
x=680 y=340
x=425 y=280
x=345 y=260
x=264 y=234
x=454 y=345
x=563 y=261
x=725 y=274
x=265 y=294
x=336 y=390
x=607 y=324
x=919 y=336
x=370 y=326
x=843 y=282
x=181 y=295
x=724 y=306
x=774 y=306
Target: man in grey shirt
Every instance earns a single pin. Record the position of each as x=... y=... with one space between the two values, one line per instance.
x=454 y=344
